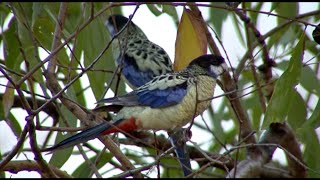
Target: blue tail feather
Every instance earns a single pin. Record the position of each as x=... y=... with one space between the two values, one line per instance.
x=178 y=140
x=81 y=137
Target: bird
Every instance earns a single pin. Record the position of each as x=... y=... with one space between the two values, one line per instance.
x=141 y=60
x=167 y=102
x=138 y=57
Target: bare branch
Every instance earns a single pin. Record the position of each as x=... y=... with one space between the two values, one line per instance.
x=27 y=165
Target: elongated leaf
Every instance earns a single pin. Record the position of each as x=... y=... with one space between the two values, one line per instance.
x=37 y=9
x=154 y=9
x=286 y=9
x=171 y=172
x=171 y=11
x=15 y=125
x=297 y=111
x=12 y=122
x=58 y=158
x=4 y=12
x=308 y=135
x=274 y=6
x=191 y=40
x=314 y=120
x=253 y=15
x=278 y=107
x=218 y=16
x=310 y=81
x=92 y=40
x=11 y=52
x=237 y=27
x=7 y=100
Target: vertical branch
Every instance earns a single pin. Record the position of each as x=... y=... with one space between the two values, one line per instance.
x=230 y=86
x=268 y=62
x=57 y=36
x=255 y=76
x=47 y=171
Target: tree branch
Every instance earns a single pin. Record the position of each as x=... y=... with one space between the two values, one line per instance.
x=81 y=113
x=27 y=165
x=230 y=86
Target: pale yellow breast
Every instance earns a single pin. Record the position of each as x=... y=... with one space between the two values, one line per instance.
x=174 y=116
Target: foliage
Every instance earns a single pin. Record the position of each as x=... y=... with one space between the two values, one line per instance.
x=28 y=38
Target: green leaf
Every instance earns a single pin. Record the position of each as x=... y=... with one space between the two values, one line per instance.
x=171 y=11
x=253 y=104
x=297 y=111
x=171 y=172
x=11 y=52
x=16 y=127
x=33 y=61
x=274 y=38
x=43 y=30
x=311 y=146
x=254 y=15
x=4 y=13
x=155 y=11
x=92 y=40
x=314 y=120
x=84 y=170
x=73 y=17
x=37 y=9
x=287 y=9
x=7 y=99
x=217 y=126
x=218 y=16
x=310 y=81
x=236 y=25
x=287 y=37
x=277 y=109
x=274 y=6
x=58 y=158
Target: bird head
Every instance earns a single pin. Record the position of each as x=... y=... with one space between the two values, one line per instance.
x=116 y=22
x=209 y=64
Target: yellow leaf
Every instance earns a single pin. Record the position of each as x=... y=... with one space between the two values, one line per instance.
x=191 y=40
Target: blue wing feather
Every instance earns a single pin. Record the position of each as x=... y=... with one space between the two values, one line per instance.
x=162 y=98
x=133 y=74
x=155 y=98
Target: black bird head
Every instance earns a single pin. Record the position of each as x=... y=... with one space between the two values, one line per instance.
x=116 y=22
x=209 y=64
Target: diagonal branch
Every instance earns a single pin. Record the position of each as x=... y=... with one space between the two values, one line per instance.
x=230 y=86
x=81 y=113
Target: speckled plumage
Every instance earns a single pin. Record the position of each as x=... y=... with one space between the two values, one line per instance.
x=140 y=59
x=142 y=111
x=194 y=83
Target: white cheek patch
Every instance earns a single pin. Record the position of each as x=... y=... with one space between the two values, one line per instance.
x=217 y=70
x=111 y=28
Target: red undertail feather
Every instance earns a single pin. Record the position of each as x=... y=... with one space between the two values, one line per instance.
x=126 y=125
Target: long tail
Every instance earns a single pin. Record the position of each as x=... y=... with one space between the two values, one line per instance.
x=178 y=140
x=104 y=128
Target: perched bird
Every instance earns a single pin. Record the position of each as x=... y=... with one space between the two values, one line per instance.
x=139 y=58
x=167 y=102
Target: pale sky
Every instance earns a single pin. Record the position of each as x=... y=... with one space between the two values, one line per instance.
x=162 y=31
